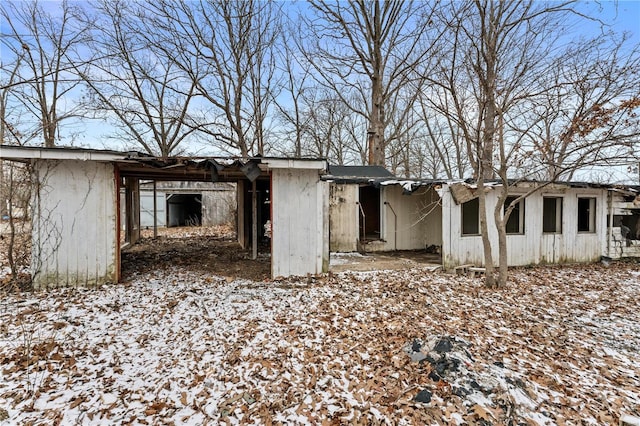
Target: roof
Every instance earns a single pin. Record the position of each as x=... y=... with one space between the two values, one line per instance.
x=184 y=168
x=359 y=171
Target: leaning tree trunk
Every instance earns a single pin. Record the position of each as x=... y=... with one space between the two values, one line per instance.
x=501 y=221
x=484 y=230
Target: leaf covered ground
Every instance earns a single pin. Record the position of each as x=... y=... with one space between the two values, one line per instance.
x=559 y=345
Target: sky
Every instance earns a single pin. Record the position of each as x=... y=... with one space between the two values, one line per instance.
x=624 y=15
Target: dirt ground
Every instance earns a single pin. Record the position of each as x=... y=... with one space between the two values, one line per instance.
x=207 y=249
x=215 y=250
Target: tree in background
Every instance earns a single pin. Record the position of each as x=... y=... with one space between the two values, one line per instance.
x=49 y=48
x=489 y=85
x=228 y=50
x=135 y=85
x=371 y=49
x=588 y=111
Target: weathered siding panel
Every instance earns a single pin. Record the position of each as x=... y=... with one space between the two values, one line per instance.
x=534 y=246
x=419 y=218
x=299 y=223
x=74 y=224
x=218 y=207
x=146 y=209
x=343 y=217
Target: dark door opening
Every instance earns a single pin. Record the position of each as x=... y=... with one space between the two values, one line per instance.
x=263 y=212
x=184 y=210
x=370 y=213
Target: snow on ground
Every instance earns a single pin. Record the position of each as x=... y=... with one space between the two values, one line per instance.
x=338 y=258
x=557 y=346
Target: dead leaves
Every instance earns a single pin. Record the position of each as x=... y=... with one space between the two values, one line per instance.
x=192 y=348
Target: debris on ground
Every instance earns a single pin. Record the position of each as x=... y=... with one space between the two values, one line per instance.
x=178 y=345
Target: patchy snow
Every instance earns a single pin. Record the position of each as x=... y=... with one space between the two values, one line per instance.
x=558 y=346
x=339 y=258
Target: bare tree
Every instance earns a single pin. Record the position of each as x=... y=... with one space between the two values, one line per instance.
x=589 y=112
x=136 y=86
x=331 y=130
x=49 y=45
x=227 y=48
x=371 y=49
x=496 y=54
x=290 y=108
x=14 y=181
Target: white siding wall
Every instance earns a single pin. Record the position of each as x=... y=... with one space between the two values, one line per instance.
x=218 y=207
x=419 y=218
x=146 y=208
x=74 y=224
x=300 y=243
x=534 y=246
x=343 y=217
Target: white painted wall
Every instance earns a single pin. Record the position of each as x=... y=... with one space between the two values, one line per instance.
x=419 y=222
x=419 y=219
x=300 y=222
x=146 y=208
x=74 y=224
x=533 y=247
x=343 y=217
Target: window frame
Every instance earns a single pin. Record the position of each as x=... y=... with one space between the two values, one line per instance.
x=591 y=209
x=462 y=218
x=559 y=200
x=518 y=211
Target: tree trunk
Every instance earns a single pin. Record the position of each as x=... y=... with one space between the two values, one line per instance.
x=484 y=230
x=501 y=222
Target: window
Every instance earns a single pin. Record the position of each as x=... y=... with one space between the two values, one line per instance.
x=552 y=215
x=515 y=223
x=586 y=215
x=471 y=217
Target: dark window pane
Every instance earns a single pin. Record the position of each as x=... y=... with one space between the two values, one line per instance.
x=552 y=214
x=513 y=225
x=471 y=217
x=586 y=214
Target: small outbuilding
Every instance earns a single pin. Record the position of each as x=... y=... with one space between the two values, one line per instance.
x=77 y=194
x=187 y=203
x=304 y=209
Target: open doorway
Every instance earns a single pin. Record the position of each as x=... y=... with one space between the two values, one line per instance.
x=193 y=238
x=369 y=213
x=184 y=210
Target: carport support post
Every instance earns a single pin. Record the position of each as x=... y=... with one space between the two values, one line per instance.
x=254 y=219
x=155 y=211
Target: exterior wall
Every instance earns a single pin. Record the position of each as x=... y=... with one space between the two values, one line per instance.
x=146 y=208
x=532 y=247
x=419 y=219
x=218 y=207
x=627 y=211
x=218 y=201
x=299 y=244
x=343 y=217
x=74 y=224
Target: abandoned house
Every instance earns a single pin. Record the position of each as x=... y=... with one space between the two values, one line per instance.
x=372 y=210
x=304 y=209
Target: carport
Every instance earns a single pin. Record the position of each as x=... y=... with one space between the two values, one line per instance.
x=76 y=225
